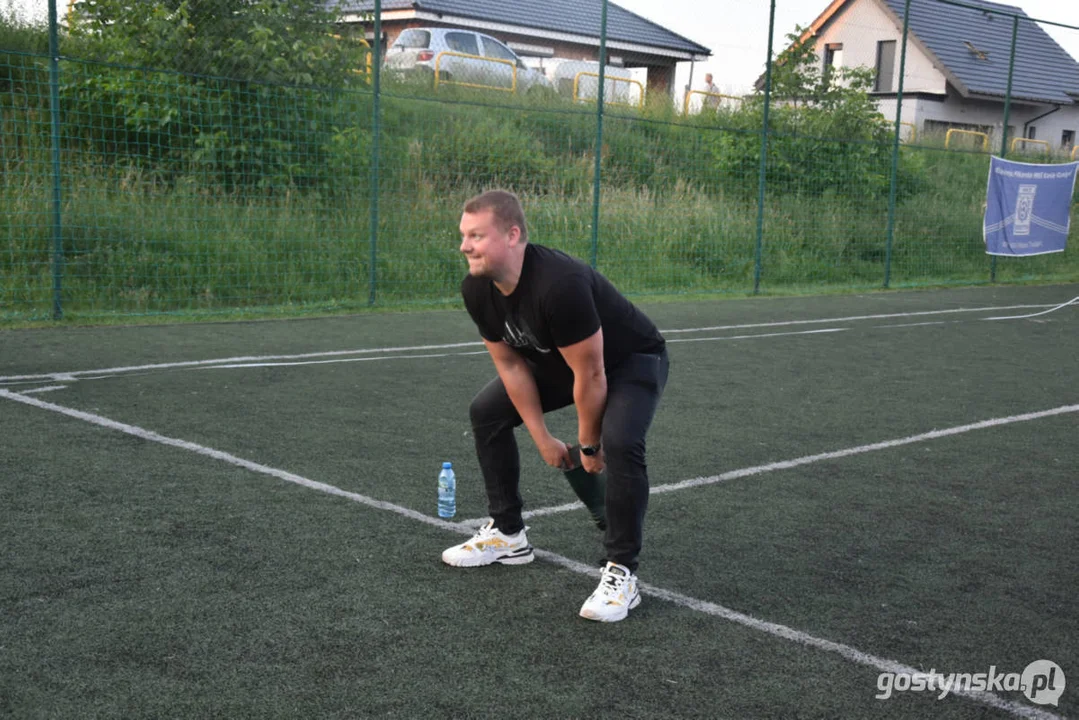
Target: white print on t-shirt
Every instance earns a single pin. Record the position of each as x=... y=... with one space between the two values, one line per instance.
x=522 y=337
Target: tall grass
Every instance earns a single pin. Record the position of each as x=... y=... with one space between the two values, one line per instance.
x=146 y=232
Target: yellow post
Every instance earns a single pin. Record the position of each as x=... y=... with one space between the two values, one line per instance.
x=957 y=131
x=1023 y=140
x=444 y=53
x=685 y=105
x=577 y=82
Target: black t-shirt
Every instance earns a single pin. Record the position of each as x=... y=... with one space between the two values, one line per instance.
x=559 y=301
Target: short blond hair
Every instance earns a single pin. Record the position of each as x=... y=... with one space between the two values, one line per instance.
x=505 y=207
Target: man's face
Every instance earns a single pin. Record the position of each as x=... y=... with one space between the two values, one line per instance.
x=485 y=244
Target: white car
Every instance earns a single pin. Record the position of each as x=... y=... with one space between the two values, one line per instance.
x=462 y=57
x=579 y=80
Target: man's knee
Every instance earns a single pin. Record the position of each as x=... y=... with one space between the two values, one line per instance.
x=488 y=408
x=622 y=448
x=479 y=411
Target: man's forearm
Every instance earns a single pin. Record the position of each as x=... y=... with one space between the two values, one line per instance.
x=524 y=394
x=590 y=397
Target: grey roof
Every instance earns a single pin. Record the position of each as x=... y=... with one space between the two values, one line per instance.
x=579 y=17
x=1043 y=70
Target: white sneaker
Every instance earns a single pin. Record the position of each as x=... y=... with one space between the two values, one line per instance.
x=616 y=595
x=488 y=546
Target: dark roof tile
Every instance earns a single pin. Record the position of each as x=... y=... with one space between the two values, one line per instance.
x=579 y=17
x=1043 y=70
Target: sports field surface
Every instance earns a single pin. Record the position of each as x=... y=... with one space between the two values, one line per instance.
x=238 y=519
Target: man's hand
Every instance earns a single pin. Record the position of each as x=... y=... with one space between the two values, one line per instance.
x=554 y=452
x=593 y=463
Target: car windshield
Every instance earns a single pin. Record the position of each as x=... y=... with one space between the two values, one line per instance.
x=413 y=39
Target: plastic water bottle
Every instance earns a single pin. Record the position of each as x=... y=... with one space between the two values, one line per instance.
x=447 y=492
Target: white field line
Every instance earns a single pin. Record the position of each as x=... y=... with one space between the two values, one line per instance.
x=809 y=459
x=228 y=458
x=49 y=388
x=484 y=352
x=852 y=318
x=919 y=324
x=338 y=360
x=1044 y=312
x=74 y=375
x=702 y=606
x=758 y=335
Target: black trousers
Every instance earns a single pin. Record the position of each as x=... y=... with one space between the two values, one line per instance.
x=634 y=388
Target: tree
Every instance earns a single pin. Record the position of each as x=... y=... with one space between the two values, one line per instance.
x=235 y=92
x=826 y=132
x=274 y=41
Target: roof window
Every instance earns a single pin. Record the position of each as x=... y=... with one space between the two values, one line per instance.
x=980 y=54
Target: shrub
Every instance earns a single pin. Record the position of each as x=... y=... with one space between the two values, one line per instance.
x=826 y=133
x=237 y=91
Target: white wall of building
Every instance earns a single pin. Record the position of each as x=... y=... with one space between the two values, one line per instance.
x=987 y=114
x=864 y=23
x=860 y=27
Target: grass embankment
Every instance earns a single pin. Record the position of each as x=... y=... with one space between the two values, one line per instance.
x=150 y=224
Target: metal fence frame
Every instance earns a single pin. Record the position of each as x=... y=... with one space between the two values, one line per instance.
x=372 y=71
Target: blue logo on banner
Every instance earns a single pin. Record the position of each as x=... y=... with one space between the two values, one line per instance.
x=1028 y=207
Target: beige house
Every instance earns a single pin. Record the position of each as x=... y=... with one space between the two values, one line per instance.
x=553 y=28
x=956 y=70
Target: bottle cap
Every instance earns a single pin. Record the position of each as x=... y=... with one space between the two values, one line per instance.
x=447 y=465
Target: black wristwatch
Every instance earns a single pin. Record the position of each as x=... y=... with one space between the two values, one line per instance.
x=590 y=450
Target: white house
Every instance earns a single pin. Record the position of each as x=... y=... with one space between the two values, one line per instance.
x=956 y=71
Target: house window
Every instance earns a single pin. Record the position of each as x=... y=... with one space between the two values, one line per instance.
x=885 y=65
x=1067 y=138
x=833 y=55
x=1032 y=132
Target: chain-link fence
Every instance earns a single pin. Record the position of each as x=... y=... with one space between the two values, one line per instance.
x=208 y=155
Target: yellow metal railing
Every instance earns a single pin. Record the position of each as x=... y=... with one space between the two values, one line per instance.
x=577 y=83
x=366 y=70
x=1043 y=143
x=449 y=53
x=719 y=98
x=367 y=55
x=913 y=131
x=1073 y=151
x=957 y=131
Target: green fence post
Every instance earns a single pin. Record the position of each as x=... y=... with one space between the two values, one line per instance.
x=376 y=67
x=895 y=147
x=1007 y=115
x=54 y=108
x=762 y=182
x=599 y=132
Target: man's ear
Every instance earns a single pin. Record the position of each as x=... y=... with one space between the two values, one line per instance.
x=514 y=235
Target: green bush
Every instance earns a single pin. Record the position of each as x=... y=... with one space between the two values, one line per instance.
x=237 y=91
x=24 y=73
x=826 y=135
x=182 y=188
x=21 y=35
